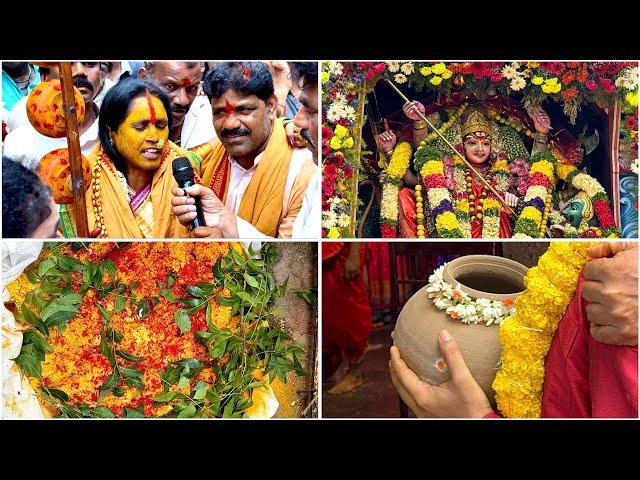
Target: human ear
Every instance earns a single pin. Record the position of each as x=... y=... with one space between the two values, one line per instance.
x=272 y=107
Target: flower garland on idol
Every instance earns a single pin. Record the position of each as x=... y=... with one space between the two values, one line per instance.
x=598 y=195
x=443 y=177
x=537 y=199
x=460 y=306
x=526 y=335
x=398 y=166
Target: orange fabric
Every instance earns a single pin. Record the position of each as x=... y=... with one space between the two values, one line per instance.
x=262 y=202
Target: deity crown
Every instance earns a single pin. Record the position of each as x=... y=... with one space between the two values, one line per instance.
x=476 y=122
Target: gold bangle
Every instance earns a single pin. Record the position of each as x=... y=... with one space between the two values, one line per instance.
x=419 y=125
x=388 y=153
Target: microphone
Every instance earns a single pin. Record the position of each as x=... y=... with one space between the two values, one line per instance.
x=183 y=173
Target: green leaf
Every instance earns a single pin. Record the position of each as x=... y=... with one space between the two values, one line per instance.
x=110 y=383
x=218 y=274
x=225 y=301
x=194 y=304
x=116 y=335
x=182 y=320
x=143 y=308
x=134 y=382
x=106 y=316
x=189 y=366
x=209 y=316
x=133 y=413
x=118 y=392
x=250 y=280
x=67 y=303
x=255 y=385
x=195 y=291
x=103 y=412
x=219 y=348
x=31 y=336
x=200 y=393
x=29 y=364
x=170 y=297
x=171 y=279
x=120 y=301
x=29 y=317
x=110 y=267
x=128 y=356
x=309 y=295
x=130 y=372
x=59 y=394
x=170 y=374
x=183 y=382
x=46 y=266
x=69 y=263
x=165 y=397
x=133 y=286
x=32 y=274
x=188 y=412
x=246 y=297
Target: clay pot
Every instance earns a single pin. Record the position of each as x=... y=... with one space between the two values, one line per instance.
x=417 y=327
x=45 y=109
x=54 y=169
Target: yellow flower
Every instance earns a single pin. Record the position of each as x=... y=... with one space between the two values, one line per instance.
x=333 y=233
x=563 y=170
x=463 y=205
x=438 y=68
x=447 y=221
x=435 y=80
x=551 y=88
x=632 y=98
x=407 y=68
x=501 y=165
x=447 y=74
x=335 y=142
x=341 y=131
x=348 y=143
x=325 y=77
x=532 y=213
x=432 y=167
x=425 y=71
x=400 y=159
x=533 y=64
x=537 y=80
x=543 y=166
x=491 y=203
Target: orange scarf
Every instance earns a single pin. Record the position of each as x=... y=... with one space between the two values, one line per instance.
x=261 y=204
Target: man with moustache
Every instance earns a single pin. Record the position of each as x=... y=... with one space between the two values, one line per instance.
x=253 y=177
x=191 y=113
x=26 y=146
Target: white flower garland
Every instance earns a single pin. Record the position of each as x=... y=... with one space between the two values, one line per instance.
x=460 y=306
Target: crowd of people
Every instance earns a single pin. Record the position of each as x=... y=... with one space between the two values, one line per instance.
x=249 y=130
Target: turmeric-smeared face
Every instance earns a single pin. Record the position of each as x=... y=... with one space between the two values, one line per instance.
x=142 y=134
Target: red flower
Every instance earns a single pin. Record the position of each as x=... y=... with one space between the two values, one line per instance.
x=380 y=67
x=495 y=77
x=573 y=64
x=610 y=88
x=434 y=181
x=338 y=160
x=327 y=133
x=591 y=84
x=556 y=68
x=569 y=93
x=330 y=170
x=388 y=231
x=347 y=171
x=369 y=75
x=539 y=179
x=603 y=213
x=327 y=186
x=582 y=75
x=568 y=77
x=632 y=121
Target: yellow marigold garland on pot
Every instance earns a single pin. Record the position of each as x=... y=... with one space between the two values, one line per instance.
x=398 y=166
x=526 y=336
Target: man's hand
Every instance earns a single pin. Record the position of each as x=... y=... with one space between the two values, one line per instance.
x=611 y=290
x=411 y=109
x=541 y=120
x=352 y=263
x=459 y=397
x=511 y=199
x=216 y=214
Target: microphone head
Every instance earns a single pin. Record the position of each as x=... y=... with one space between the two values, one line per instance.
x=182 y=170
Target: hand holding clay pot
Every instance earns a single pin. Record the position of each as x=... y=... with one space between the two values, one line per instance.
x=490 y=284
x=459 y=397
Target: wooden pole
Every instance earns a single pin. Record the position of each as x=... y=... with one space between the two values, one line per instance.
x=75 y=156
x=356 y=172
x=455 y=152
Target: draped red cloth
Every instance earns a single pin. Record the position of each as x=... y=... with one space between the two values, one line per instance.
x=476 y=224
x=586 y=378
x=378 y=273
x=346 y=314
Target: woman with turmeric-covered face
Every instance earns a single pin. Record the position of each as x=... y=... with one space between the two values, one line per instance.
x=130 y=191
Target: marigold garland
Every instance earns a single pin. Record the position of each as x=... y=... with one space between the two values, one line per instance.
x=398 y=166
x=526 y=336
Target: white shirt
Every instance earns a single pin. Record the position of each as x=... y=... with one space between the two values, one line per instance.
x=197 y=127
x=307 y=224
x=239 y=181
